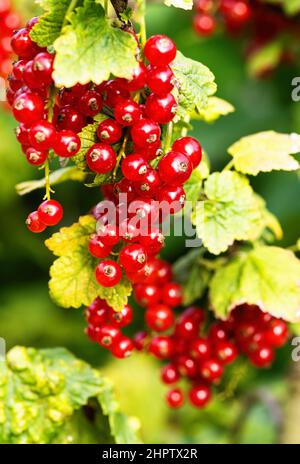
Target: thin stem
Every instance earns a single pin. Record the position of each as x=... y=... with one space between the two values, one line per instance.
x=168 y=139
x=69 y=11
x=121 y=154
x=47 y=180
x=229 y=165
x=142 y=21
x=51 y=102
x=106 y=7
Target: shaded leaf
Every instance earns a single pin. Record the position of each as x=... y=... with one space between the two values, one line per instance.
x=50 y=24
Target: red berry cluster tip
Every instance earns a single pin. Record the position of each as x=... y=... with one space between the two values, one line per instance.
x=9 y=21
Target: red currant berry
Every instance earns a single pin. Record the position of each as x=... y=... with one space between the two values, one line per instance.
x=122 y=348
x=128 y=231
x=115 y=91
x=101 y=158
x=18 y=69
x=97 y=248
x=191 y=148
x=67 y=144
x=204 y=6
x=218 y=332
x=134 y=167
x=175 y=168
x=108 y=335
x=161 y=109
x=42 y=135
x=171 y=199
x=70 y=119
x=164 y=272
x=121 y=318
x=138 y=80
x=90 y=103
x=186 y=366
x=277 y=333
x=22 y=44
x=127 y=112
x=43 y=67
x=262 y=357
x=172 y=294
x=175 y=398
x=211 y=370
x=108 y=273
x=50 y=212
x=204 y=24
x=29 y=77
x=28 y=108
x=153 y=242
x=133 y=257
x=159 y=317
x=162 y=347
x=239 y=13
x=97 y=313
x=146 y=295
x=124 y=187
x=160 y=50
x=140 y=340
x=34 y=223
x=200 y=349
x=226 y=352
x=36 y=157
x=199 y=395
x=149 y=185
x=109 y=131
x=22 y=134
x=145 y=133
x=160 y=80
x=108 y=234
x=169 y=374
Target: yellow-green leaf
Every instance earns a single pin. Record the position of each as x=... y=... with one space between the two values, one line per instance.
x=215 y=108
x=184 y=4
x=50 y=23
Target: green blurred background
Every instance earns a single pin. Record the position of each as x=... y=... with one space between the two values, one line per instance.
x=28 y=316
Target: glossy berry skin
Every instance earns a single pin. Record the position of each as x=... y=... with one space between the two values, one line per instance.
x=140 y=340
x=133 y=257
x=108 y=273
x=127 y=112
x=115 y=91
x=159 y=317
x=153 y=241
x=109 y=131
x=169 y=374
x=226 y=352
x=175 y=398
x=138 y=80
x=211 y=370
x=217 y=333
x=29 y=77
x=160 y=80
x=164 y=272
x=160 y=50
x=199 y=395
x=36 y=157
x=134 y=167
x=162 y=347
x=97 y=248
x=22 y=44
x=70 y=119
x=28 y=108
x=108 y=234
x=172 y=199
x=146 y=295
x=145 y=133
x=121 y=318
x=43 y=67
x=108 y=335
x=262 y=357
x=277 y=333
x=191 y=148
x=18 y=69
x=161 y=109
x=97 y=313
x=148 y=186
x=204 y=6
x=50 y=212
x=67 y=144
x=172 y=294
x=122 y=348
x=200 y=349
x=34 y=223
x=174 y=169
x=22 y=134
x=101 y=158
x=42 y=135
x=90 y=103
x=204 y=24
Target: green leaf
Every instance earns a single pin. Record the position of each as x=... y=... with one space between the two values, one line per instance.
x=269 y=220
x=184 y=4
x=265 y=58
x=42 y=393
x=230 y=212
x=265 y=152
x=88 y=137
x=268 y=277
x=50 y=24
x=196 y=82
x=73 y=283
x=298 y=244
x=215 y=108
x=56 y=177
x=193 y=186
x=291 y=7
x=91 y=49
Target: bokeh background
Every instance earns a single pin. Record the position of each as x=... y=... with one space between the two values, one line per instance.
x=28 y=316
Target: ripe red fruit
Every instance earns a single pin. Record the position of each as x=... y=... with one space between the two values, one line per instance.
x=172 y=294
x=160 y=50
x=160 y=80
x=50 y=212
x=145 y=133
x=115 y=91
x=108 y=335
x=101 y=158
x=146 y=295
x=159 y=317
x=204 y=6
x=199 y=395
x=67 y=144
x=97 y=247
x=140 y=340
x=108 y=234
x=18 y=69
x=186 y=366
x=164 y=272
x=70 y=119
x=127 y=112
x=138 y=80
x=121 y=318
x=36 y=157
x=161 y=109
x=43 y=67
x=204 y=24
x=175 y=168
x=22 y=134
x=122 y=347
x=162 y=347
x=152 y=241
x=175 y=398
x=22 y=44
x=108 y=273
x=28 y=108
x=172 y=199
x=191 y=148
x=42 y=135
x=277 y=333
x=211 y=370
x=109 y=131
x=218 y=332
x=200 y=349
x=148 y=186
x=226 y=352
x=239 y=13
x=263 y=356
x=34 y=223
x=133 y=257
x=90 y=103
x=134 y=167
x=97 y=313
x=169 y=374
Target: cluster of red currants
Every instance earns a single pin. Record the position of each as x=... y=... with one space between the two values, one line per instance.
x=9 y=21
x=201 y=359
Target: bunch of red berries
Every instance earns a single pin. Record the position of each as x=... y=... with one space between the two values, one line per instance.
x=9 y=21
x=201 y=359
